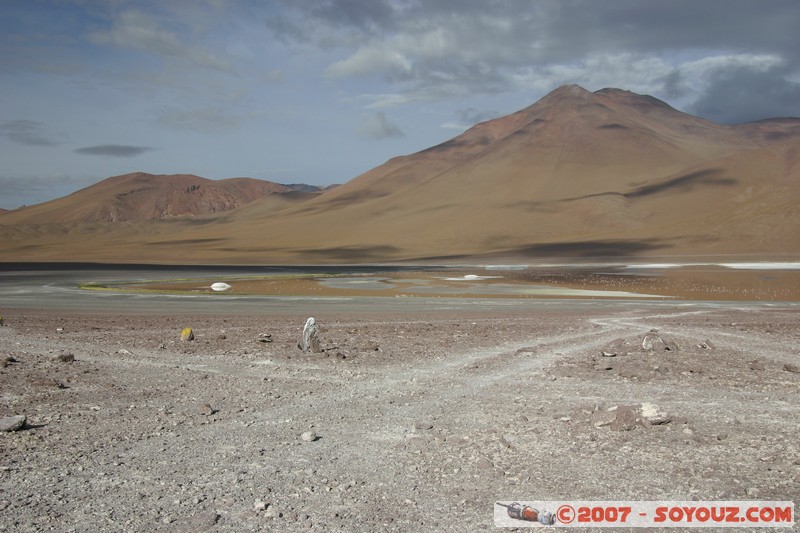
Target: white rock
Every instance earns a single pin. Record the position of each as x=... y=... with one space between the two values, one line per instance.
x=653 y=413
x=220 y=286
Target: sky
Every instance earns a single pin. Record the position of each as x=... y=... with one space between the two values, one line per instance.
x=320 y=91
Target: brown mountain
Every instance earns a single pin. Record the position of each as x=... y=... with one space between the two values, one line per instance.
x=140 y=196
x=609 y=173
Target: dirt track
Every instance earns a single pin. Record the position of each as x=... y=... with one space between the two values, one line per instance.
x=421 y=422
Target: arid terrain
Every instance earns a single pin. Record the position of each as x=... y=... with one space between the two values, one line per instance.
x=578 y=174
x=408 y=421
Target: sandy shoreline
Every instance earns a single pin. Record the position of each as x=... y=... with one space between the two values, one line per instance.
x=414 y=414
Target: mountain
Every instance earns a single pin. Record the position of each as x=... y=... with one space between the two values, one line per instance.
x=578 y=174
x=140 y=196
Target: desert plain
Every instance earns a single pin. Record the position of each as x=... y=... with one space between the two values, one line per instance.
x=419 y=415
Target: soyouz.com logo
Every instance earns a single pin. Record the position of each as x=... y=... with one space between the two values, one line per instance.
x=681 y=514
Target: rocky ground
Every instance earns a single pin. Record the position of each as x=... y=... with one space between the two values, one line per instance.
x=404 y=423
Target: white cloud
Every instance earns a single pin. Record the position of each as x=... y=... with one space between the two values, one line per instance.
x=378 y=126
x=370 y=60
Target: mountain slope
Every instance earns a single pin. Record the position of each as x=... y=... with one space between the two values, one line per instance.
x=603 y=173
x=580 y=174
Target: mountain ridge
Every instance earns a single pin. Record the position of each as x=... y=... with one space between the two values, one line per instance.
x=140 y=196
x=579 y=173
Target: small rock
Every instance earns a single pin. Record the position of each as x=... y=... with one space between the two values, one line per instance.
x=753 y=492
x=187 y=334
x=422 y=426
x=653 y=414
x=624 y=419
x=309 y=436
x=12 y=423
x=65 y=358
x=603 y=418
x=790 y=367
x=123 y=351
x=206 y=409
x=59 y=330
x=608 y=354
x=265 y=337
x=259 y=505
x=757 y=365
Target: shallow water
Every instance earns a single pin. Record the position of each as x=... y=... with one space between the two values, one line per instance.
x=697 y=282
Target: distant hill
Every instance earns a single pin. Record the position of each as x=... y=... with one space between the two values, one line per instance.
x=578 y=174
x=140 y=196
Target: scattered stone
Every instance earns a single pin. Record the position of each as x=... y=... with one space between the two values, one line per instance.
x=66 y=358
x=420 y=426
x=259 y=505
x=790 y=367
x=206 y=410
x=757 y=365
x=706 y=345
x=608 y=354
x=59 y=330
x=265 y=337
x=653 y=414
x=309 y=436
x=310 y=340
x=187 y=334
x=624 y=419
x=603 y=418
x=652 y=342
x=753 y=492
x=12 y=423
x=123 y=351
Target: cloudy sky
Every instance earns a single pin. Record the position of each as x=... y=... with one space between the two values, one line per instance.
x=320 y=91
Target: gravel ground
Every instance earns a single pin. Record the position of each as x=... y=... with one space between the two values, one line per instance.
x=404 y=423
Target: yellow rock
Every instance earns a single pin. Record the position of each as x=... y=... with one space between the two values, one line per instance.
x=187 y=334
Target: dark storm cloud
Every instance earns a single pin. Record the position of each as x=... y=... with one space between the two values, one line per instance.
x=451 y=48
x=744 y=95
x=27 y=132
x=113 y=150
